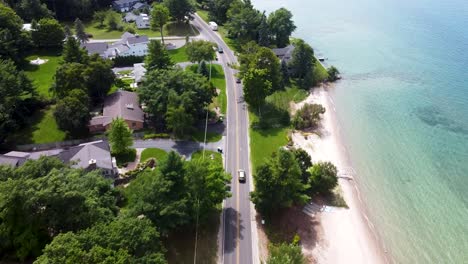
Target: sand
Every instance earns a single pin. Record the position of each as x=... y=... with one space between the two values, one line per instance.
x=346 y=235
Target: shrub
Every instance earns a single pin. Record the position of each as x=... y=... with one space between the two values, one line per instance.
x=156 y=135
x=123 y=61
x=333 y=74
x=308 y=116
x=124 y=158
x=323 y=177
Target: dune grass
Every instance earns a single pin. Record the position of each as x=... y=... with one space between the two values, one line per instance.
x=157 y=153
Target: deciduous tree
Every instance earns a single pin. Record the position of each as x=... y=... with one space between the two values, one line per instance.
x=278 y=184
x=256 y=87
x=302 y=64
x=159 y=18
x=281 y=26
x=99 y=77
x=180 y=10
x=333 y=74
x=14 y=43
x=323 y=177
x=68 y=76
x=100 y=17
x=308 y=116
x=286 y=254
x=72 y=112
x=200 y=50
x=120 y=136
x=32 y=9
x=48 y=34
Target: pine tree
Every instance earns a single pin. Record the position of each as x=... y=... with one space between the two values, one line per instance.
x=263 y=32
x=80 y=31
x=73 y=53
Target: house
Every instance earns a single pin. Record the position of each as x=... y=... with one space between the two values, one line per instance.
x=96 y=48
x=141 y=6
x=139 y=72
x=130 y=17
x=88 y=156
x=121 y=104
x=284 y=54
x=124 y=5
x=142 y=21
x=129 y=44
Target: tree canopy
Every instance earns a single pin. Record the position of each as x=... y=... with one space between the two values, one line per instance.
x=200 y=50
x=14 y=42
x=48 y=33
x=72 y=112
x=256 y=87
x=302 y=64
x=243 y=21
x=281 y=26
x=159 y=17
x=286 y=254
x=30 y=10
x=124 y=240
x=158 y=57
x=308 y=116
x=33 y=210
x=180 y=10
x=323 y=177
x=278 y=184
x=120 y=136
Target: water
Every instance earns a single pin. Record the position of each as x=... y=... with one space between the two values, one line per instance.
x=404 y=106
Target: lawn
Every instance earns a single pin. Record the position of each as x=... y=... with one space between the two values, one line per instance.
x=217 y=156
x=320 y=72
x=43 y=75
x=171 y=29
x=179 y=55
x=41 y=128
x=157 y=153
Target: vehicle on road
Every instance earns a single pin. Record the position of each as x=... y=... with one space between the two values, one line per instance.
x=238 y=80
x=220 y=150
x=220 y=49
x=213 y=25
x=241 y=174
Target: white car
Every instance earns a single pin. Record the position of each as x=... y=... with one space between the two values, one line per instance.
x=241 y=174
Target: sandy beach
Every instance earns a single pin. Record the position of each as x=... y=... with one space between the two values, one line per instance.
x=344 y=235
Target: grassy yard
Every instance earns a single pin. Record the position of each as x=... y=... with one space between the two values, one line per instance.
x=171 y=29
x=217 y=157
x=210 y=136
x=320 y=72
x=157 y=153
x=43 y=75
x=179 y=55
x=41 y=128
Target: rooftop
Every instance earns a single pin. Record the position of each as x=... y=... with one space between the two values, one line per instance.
x=120 y=104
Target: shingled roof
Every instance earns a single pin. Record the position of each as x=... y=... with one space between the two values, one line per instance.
x=120 y=104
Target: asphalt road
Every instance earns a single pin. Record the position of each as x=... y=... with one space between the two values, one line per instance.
x=237 y=221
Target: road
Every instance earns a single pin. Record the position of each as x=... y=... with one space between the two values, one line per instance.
x=238 y=230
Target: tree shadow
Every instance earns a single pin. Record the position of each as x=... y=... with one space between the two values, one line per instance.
x=231 y=230
x=271 y=116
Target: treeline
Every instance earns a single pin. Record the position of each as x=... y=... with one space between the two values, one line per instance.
x=52 y=213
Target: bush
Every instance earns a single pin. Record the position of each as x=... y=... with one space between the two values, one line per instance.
x=124 y=158
x=323 y=177
x=308 y=116
x=333 y=74
x=123 y=61
x=130 y=29
x=156 y=135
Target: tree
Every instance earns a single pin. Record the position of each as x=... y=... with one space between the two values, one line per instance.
x=14 y=43
x=100 y=17
x=281 y=26
x=120 y=136
x=34 y=210
x=256 y=57
x=206 y=181
x=15 y=87
x=305 y=162
x=124 y=240
x=159 y=18
x=286 y=254
x=180 y=10
x=72 y=52
x=278 y=184
x=72 y=112
x=158 y=57
x=48 y=34
x=67 y=31
x=243 y=21
x=308 y=116
x=218 y=10
x=161 y=194
x=200 y=50
x=68 y=76
x=80 y=31
x=113 y=20
x=99 y=77
x=256 y=87
x=333 y=74
x=203 y=69
x=323 y=177
x=284 y=71
x=263 y=38
x=164 y=88
x=179 y=121
x=302 y=64
x=32 y=9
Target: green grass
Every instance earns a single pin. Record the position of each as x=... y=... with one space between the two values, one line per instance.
x=320 y=72
x=124 y=158
x=204 y=15
x=217 y=156
x=43 y=75
x=171 y=29
x=210 y=136
x=41 y=128
x=157 y=153
x=179 y=55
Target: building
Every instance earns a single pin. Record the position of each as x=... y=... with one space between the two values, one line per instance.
x=89 y=156
x=129 y=44
x=141 y=6
x=96 y=48
x=121 y=104
x=284 y=54
x=124 y=5
x=142 y=21
x=130 y=17
x=139 y=72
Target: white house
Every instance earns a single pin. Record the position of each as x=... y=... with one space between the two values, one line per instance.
x=142 y=21
x=128 y=45
x=124 y=5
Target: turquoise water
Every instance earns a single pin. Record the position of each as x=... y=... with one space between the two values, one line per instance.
x=403 y=104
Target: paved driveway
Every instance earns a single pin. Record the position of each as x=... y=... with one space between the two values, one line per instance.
x=181 y=146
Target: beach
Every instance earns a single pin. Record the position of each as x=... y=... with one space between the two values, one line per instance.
x=344 y=235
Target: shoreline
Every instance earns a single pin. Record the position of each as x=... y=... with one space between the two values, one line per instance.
x=346 y=235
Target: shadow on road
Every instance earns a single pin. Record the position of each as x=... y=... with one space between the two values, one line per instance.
x=231 y=230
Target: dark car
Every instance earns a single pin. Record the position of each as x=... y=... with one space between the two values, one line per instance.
x=238 y=80
x=220 y=49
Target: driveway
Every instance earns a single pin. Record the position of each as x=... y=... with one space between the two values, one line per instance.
x=183 y=147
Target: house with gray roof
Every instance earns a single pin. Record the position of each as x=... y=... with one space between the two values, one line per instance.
x=142 y=21
x=284 y=54
x=121 y=104
x=90 y=156
x=96 y=48
x=124 y=5
x=129 y=44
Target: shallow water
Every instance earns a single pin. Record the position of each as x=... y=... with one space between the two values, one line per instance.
x=403 y=103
